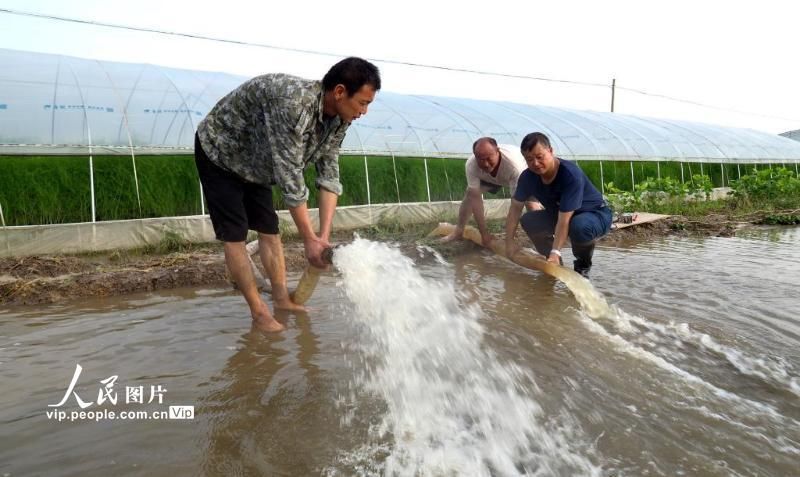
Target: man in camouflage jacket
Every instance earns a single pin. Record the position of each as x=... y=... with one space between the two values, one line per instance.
x=265 y=133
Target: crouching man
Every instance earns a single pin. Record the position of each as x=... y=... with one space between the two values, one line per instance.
x=573 y=207
x=490 y=167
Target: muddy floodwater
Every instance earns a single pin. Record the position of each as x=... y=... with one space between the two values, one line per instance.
x=409 y=364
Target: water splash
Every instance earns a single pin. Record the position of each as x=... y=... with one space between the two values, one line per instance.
x=660 y=344
x=671 y=337
x=452 y=408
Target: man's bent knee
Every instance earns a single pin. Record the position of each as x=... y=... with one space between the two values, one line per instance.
x=537 y=222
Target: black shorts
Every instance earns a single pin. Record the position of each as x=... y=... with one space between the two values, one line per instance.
x=234 y=204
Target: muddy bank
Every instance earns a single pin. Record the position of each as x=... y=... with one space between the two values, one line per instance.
x=53 y=279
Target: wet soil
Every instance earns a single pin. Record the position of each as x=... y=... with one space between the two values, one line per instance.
x=52 y=279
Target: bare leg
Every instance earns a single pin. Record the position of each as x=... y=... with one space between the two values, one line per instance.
x=270 y=249
x=238 y=263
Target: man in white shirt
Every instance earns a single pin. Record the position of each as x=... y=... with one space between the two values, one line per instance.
x=490 y=167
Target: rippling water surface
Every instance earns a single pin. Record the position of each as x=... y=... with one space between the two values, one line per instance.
x=413 y=365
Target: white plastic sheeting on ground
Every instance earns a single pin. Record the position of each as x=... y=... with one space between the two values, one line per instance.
x=66 y=105
x=125 y=234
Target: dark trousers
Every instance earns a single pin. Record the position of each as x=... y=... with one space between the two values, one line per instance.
x=584 y=229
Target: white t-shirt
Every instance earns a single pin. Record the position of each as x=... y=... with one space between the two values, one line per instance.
x=511 y=166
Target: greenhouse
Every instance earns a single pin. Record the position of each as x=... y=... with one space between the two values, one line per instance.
x=86 y=141
x=792 y=134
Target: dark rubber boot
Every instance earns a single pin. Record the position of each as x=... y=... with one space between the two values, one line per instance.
x=583 y=257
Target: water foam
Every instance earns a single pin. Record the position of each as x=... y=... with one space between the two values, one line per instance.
x=452 y=408
x=738 y=411
x=672 y=336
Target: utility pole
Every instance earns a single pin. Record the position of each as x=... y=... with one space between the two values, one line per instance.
x=613 y=87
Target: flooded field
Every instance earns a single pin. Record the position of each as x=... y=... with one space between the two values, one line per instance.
x=413 y=365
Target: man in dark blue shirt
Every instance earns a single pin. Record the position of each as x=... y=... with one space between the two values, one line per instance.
x=573 y=207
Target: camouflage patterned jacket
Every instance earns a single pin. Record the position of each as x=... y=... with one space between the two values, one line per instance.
x=269 y=129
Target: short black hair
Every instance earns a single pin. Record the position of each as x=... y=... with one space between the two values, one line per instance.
x=353 y=73
x=531 y=140
x=481 y=140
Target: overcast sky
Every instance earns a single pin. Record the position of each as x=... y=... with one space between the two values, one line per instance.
x=728 y=54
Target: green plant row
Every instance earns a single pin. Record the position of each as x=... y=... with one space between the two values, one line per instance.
x=763 y=189
x=55 y=189
x=619 y=173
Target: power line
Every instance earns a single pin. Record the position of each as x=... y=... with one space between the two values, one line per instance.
x=381 y=60
x=286 y=48
x=696 y=103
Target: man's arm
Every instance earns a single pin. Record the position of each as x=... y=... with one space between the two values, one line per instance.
x=464 y=210
x=313 y=244
x=286 y=121
x=328 y=183
x=327 y=207
x=285 y=126
x=560 y=238
x=476 y=205
x=571 y=200
x=512 y=220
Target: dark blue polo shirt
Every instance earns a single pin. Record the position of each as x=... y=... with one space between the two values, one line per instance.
x=570 y=191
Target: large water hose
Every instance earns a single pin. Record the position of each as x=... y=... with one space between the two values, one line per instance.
x=591 y=301
x=308 y=282
x=306 y=285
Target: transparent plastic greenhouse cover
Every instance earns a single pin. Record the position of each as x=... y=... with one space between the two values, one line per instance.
x=52 y=104
x=792 y=134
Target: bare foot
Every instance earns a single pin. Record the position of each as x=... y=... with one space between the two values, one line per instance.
x=264 y=321
x=289 y=305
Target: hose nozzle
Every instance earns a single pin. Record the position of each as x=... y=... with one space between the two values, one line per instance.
x=327 y=254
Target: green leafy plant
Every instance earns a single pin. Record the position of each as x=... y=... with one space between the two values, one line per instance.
x=663 y=194
x=622 y=200
x=781 y=219
x=778 y=186
x=701 y=184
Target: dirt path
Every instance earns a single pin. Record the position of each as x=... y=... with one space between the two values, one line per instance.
x=53 y=279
